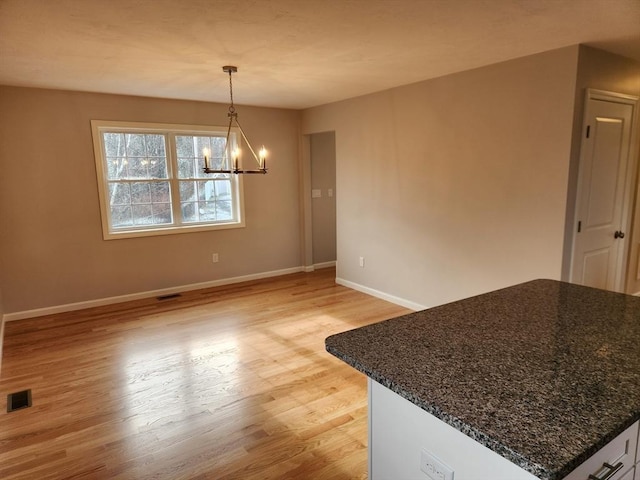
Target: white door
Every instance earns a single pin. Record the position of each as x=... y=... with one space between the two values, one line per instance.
x=604 y=192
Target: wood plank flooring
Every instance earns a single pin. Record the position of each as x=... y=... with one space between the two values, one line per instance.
x=224 y=383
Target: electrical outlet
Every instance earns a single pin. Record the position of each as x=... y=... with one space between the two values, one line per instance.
x=362 y=262
x=214 y=258
x=330 y=192
x=435 y=468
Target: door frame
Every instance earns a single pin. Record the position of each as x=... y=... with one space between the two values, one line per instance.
x=631 y=180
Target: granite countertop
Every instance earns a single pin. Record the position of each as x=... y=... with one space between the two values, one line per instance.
x=544 y=373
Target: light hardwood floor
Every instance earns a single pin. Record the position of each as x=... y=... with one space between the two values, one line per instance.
x=224 y=383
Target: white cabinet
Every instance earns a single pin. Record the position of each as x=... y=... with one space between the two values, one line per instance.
x=618 y=455
x=400 y=431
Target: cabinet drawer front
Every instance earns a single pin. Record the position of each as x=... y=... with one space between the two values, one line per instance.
x=630 y=475
x=621 y=449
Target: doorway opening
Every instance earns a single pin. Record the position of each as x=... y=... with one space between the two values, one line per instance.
x=320 y=201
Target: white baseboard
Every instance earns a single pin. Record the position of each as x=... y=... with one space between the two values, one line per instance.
x=384 y=296
x=318 y=266
x=69 y=307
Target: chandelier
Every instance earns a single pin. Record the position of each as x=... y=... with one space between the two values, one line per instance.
x=234 y=155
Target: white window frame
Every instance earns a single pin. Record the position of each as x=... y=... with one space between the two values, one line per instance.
x=170 y=131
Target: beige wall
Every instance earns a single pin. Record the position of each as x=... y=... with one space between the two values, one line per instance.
x=51 y=247
x=323 y=209
x=457 y=185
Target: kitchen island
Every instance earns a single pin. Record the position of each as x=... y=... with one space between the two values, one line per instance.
x=538 y=377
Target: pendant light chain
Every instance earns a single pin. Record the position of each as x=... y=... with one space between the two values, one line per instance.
x=232 y=109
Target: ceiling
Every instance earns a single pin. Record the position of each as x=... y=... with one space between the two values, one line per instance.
x=289 y=53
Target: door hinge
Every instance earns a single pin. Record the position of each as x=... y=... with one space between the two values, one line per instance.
x=588 y=130
x=579 y=226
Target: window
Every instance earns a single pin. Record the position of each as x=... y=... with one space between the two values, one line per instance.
x=150 y=179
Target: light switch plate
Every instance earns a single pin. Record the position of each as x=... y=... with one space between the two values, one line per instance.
x=435 y=468
x=316 y=193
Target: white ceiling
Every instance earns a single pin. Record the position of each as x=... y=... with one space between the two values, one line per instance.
x=290 y=53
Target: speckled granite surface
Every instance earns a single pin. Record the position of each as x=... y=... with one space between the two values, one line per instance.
x=544 y=373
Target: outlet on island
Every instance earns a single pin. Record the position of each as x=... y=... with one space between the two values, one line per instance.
x=435 y=468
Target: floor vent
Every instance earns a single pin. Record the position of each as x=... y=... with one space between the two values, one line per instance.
x=18 y=400
x=168 y=297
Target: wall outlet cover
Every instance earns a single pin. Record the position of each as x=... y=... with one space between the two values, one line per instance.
x=435 y=468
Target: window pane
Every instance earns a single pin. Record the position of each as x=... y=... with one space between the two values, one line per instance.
x=160 y=192
x=214 y=201
x=140 y=193
x=135 y=145
x=216 y=211
x=185 y=146
x=121 y=216
x=117 y=168
x=138 y=167
x=119 y=194
x=114 y=144
x=158 y=167
x=218 y=144
x=155 y=145
x=219 y=210
x=214 y=189
x=142 y=214
x=140 y=203
x=135 y=156
x=185 y=167
x=190 y=149
x=162 y=213
x=223 y=188
x=189 y=212
x=219 y=160
x=187 y=191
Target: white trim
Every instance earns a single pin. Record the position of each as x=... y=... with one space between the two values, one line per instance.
x=637 y=294
x=69 y=307
x=318 y=266
x=384 y=296
x=607 y=96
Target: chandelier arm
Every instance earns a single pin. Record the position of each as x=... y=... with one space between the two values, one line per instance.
x=247 y=142
x=227 y=151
